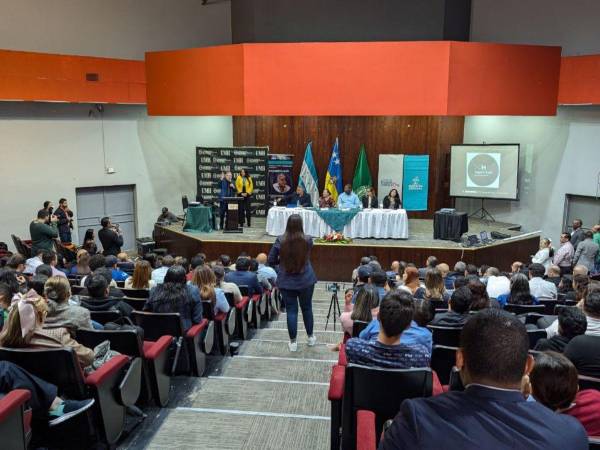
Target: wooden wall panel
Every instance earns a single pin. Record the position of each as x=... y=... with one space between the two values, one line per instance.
x=431 y=135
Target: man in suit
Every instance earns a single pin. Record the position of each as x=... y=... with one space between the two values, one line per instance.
x=298 y=198
x=111 y=238
x=492 y=411
x=586 y=251
x=243 y=277
x=227 y=189
x=577 y=233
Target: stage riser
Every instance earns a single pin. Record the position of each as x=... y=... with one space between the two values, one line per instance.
x=336 y=262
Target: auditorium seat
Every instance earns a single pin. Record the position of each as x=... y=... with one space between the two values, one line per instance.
x=241 y=316
x=61 y=368
x=443 y=359
x=586 y=382
x=524 y=309
x=449 y=336
x=549 y=304
x=15 y=420
x=438 y=305
x=135 y=303
x=366 y=438
x=77 y=290
x=191 y=346
x=136 y=293
x=104 y=317
x=534 y=336
x=156 y=379
x=253 y=308
x=594 y=442
x=358 y=326
x=380 y=391
x=219 y=325
x=23 y=247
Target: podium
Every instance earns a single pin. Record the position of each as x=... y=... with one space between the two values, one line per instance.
x=232 y=215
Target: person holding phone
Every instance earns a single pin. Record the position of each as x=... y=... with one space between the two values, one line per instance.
x=227 y=189
x=42 y=232
x=111 y=238
x=244 y=187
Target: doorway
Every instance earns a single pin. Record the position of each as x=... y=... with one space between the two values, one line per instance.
x=116 y=202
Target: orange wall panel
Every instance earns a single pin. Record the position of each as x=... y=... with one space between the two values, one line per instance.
x=579 y=80
x=46 y=77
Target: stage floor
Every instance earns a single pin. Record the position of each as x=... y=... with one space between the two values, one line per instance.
x=420 y=234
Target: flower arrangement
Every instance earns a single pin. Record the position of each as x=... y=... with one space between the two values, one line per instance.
x=334 y=238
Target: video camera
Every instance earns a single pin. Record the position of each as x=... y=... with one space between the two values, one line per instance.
x=332 y=287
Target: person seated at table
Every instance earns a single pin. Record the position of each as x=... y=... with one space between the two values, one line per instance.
x=300 y=198
x=392 y=200
x=348 y=199
x=326 y=201
x=167 y=216
x=370 y=200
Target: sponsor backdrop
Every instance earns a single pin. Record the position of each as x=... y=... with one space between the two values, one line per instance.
x=280 y=169
x=211 y=162
x=391 y=169
x=415 y=183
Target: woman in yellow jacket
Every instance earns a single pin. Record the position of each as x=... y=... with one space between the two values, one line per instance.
x=244 y=187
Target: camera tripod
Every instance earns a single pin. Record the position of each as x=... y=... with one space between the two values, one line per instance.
x=335 y=306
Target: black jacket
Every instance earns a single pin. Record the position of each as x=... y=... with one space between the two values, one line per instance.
x=111 y=242
x=294 y=199
x=386 y=203
x=374 y=202
x=106 y=304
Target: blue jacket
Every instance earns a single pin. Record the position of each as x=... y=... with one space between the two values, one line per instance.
x=480 y=418
x=292 y=281
x=245 y=278
x=226 y=189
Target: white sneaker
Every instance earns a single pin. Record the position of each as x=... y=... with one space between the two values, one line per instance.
x=293 y=346
x=312 y=340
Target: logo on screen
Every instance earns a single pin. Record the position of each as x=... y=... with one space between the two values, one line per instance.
x=483 y=170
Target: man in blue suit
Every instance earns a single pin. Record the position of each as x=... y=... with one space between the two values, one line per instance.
x=491 y=413
x=243 y=277
x=227 y=190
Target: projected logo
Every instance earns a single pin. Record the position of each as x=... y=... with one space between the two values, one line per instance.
x=483 y=170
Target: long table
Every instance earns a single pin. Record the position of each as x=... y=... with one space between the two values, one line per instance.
x=368 y=223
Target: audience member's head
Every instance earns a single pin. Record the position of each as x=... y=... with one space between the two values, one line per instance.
x=253 y=265
x=176 y=274
x=395 y=314
x=471 y=270
x=57 y=289
x=571 y=322
x=580 y=285
x=482 y=270
x=588 y=234
x=580 y=270
x=492 y=272
x=261 y=258
x=431 y=262
x=460 y=267
x=219 y=273
x=42 y=214
x=111 y=262
x=14 y=335
x=16 y=262
x=553 y=271
x=424 y=311
x=516 y=267
x=379 y=278
x=44 y=269
x=243 y=264
x=225 y=260
x=142 y=273
x=105 y=272
x=183 y=262
x=554 y=381
x=460 y=301
x=151 y=258
x=395 y=266
x=168 y=261
x=97 y=261
x=434 y=284
x=494 y=350
x=205 y=279
x=591 y=304
x=367 y=298
x=96 y=285
x=536 y=270
x=5 y=296
x=411 y=276
x=444 y=269
x=364 y=273
x=49 y=257
x=10 y=278
x=460 y=281
x=365 y=260
x=479 y=296
x=38 y=283
x=519 y=290
x=198 y=260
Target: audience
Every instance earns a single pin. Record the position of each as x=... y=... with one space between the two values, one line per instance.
x=497 y=284
x=563 y=257
x=519 y=292
x=124 y=262
x=364 y=310
x=430 y=264
x=226 y=287
x=458 y=309
x=61 y=313
x=196 y=261
x=410 y=280
x=553 y=275
x=586 y=251
x=89 y=242
x=205 y=280
x=42 y=233
x=142 y=276
x=571 y=322
x=32 y=263
x=49 y=258
x=266 y=275
x=16 y=263
x=379 y=281
x=395 y=316
x=554 y=384
x=584 y=350
x=243 y=277
x=491 y=412
x=100 y=298
x=434 y=286
x=544 y=254
x=5 y=299
x=44 y=270
x=38 y=283
x=577 y=233
x=364 y=261
x=539 y=287
x=348 y=296
x=479 y=296
x=445 y=271
x=117 y=274
x=158 y=274
x=83 y=264
x=173 y=296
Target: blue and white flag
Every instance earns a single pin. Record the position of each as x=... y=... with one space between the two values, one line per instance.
x=308 y=176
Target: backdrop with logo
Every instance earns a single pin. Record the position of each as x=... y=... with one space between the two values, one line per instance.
x=279 y=178
x=391 y=169
x=415 y=183
x=211 y=162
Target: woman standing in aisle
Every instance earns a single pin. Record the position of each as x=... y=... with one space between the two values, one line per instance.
x=244 y=187
x=296 y=278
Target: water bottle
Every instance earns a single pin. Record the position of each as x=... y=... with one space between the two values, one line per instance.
x=297 y=203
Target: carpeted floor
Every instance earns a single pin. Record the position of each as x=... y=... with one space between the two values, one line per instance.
x=263 y=398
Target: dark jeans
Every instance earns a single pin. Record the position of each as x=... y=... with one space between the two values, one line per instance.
x=565 y=270
x=65 y=235
x=245 y=210
x=291 y=297
x=222 y=212
x=42 y=393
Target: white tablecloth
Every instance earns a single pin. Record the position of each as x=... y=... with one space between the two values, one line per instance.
x=368 y=223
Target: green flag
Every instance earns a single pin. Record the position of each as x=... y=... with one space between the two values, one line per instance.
x=362 y=175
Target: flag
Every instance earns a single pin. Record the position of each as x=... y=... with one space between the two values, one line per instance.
x=362 y=175
x=308 y=176
x=333 y=177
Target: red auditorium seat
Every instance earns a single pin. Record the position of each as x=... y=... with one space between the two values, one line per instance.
x=220 y=320
x=15 y=420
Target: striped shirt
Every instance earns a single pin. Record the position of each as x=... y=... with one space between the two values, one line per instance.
x=375 y=354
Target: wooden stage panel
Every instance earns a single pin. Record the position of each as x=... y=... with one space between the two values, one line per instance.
x=336 y=262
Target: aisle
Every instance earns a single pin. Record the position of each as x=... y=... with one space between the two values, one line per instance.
x=265 y=397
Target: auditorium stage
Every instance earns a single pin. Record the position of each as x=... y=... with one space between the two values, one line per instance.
x=335 y=262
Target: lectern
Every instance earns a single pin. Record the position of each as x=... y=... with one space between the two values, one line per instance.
x=232 y=220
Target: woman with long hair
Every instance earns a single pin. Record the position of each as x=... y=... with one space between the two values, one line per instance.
x=204 y=278
x=296 y=278
x=434 y=287
x=479 y=296
x=173 y=296
x=410 y=280
x=580 y=286
x=89 y=242
x=365 y=309
x=83 y=263
x=392 y=200
x=142 y=276
x=326 y=200
x=25 y=329
x=244 y=187
x=519 y=292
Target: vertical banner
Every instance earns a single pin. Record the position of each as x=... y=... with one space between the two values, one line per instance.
x=415 y=184
x=391 y=168
x=211 y=162
x=279 y=178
